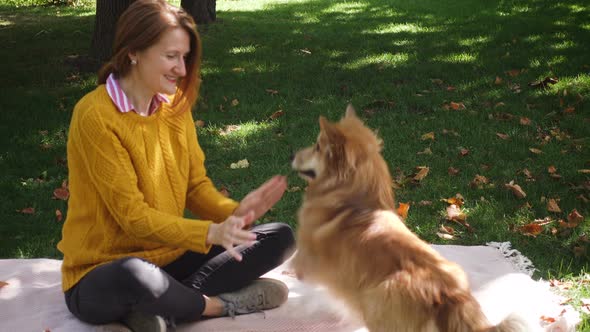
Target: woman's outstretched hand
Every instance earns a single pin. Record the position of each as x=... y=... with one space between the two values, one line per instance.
x=262 y=199
x=230 y=233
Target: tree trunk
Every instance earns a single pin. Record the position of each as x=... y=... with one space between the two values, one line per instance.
x=202 y=11
x=105 y=23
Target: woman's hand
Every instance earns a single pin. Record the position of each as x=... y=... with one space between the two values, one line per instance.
x=230 y=233
x=262 y=199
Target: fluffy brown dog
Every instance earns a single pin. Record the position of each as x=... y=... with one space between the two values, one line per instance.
x=350 y=240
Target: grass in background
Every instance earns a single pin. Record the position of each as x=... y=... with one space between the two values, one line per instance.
x=400 y=63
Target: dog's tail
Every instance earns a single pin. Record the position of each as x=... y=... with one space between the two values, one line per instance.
x=512 y=323
x=462 y=312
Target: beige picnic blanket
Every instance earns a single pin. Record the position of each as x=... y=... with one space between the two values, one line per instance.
x=33 y=301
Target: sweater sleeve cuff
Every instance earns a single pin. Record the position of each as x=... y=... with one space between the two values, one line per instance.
x=197 y=236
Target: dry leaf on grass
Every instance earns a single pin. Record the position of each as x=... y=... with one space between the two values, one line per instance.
x=459 y=201
x=529 y=176
x=224 y=191
x=293 y=189
x=516 y=189
x=402 y=210
x=545 y=83
x=453 y=171
x=579 y=251
x=450 y=132
x=61 y=193
x=447 y=229
x=502 y=136
x=513 y=72
x=535 y=150
x=525 y=121
x=423 y=171
x=454 y=213
x=428 y=136
x=532 y=229
x=277 y=114
x=479 y=181
x=457 y=106
x=240 y=164
x=552 y=206
x=426 y=151
x=574 y=218
x=29 y=210
x=199 y=123
x=58 y=215
x=228 y=129
x=445 y=236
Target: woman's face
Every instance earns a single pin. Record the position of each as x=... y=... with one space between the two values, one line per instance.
x=161 y=66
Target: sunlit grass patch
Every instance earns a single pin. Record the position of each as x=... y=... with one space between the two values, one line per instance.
x=384 y=59
x=457 y=58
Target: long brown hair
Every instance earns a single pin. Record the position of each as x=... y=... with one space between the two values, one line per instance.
x=140 y=27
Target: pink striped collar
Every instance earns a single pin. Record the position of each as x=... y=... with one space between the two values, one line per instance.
x=121 y=101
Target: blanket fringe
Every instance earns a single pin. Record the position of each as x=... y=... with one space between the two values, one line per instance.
x=518 y=260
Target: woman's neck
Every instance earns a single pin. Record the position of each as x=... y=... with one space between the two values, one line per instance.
x=138 y=95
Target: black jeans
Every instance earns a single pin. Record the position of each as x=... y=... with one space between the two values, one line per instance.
x=110 y=291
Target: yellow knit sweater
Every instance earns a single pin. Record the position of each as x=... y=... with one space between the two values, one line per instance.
x=130 y=179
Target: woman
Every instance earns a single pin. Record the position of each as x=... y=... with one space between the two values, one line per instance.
x=134 y=166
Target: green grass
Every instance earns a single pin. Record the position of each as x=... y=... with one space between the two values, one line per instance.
x=393 y=60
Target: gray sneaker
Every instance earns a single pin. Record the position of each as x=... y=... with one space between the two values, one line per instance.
x=140 y=322
x=261 y=294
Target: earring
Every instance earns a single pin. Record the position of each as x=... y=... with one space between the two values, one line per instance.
x=133 y=61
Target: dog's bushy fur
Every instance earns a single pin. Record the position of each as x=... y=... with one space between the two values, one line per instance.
x=350 y=240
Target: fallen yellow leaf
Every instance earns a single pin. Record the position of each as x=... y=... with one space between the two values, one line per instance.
x=428 y=136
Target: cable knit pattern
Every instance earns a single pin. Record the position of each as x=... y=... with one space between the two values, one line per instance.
x=130 y=178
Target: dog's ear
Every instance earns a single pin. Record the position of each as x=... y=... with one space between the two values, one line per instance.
x=350 y=112
x=332 y=132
